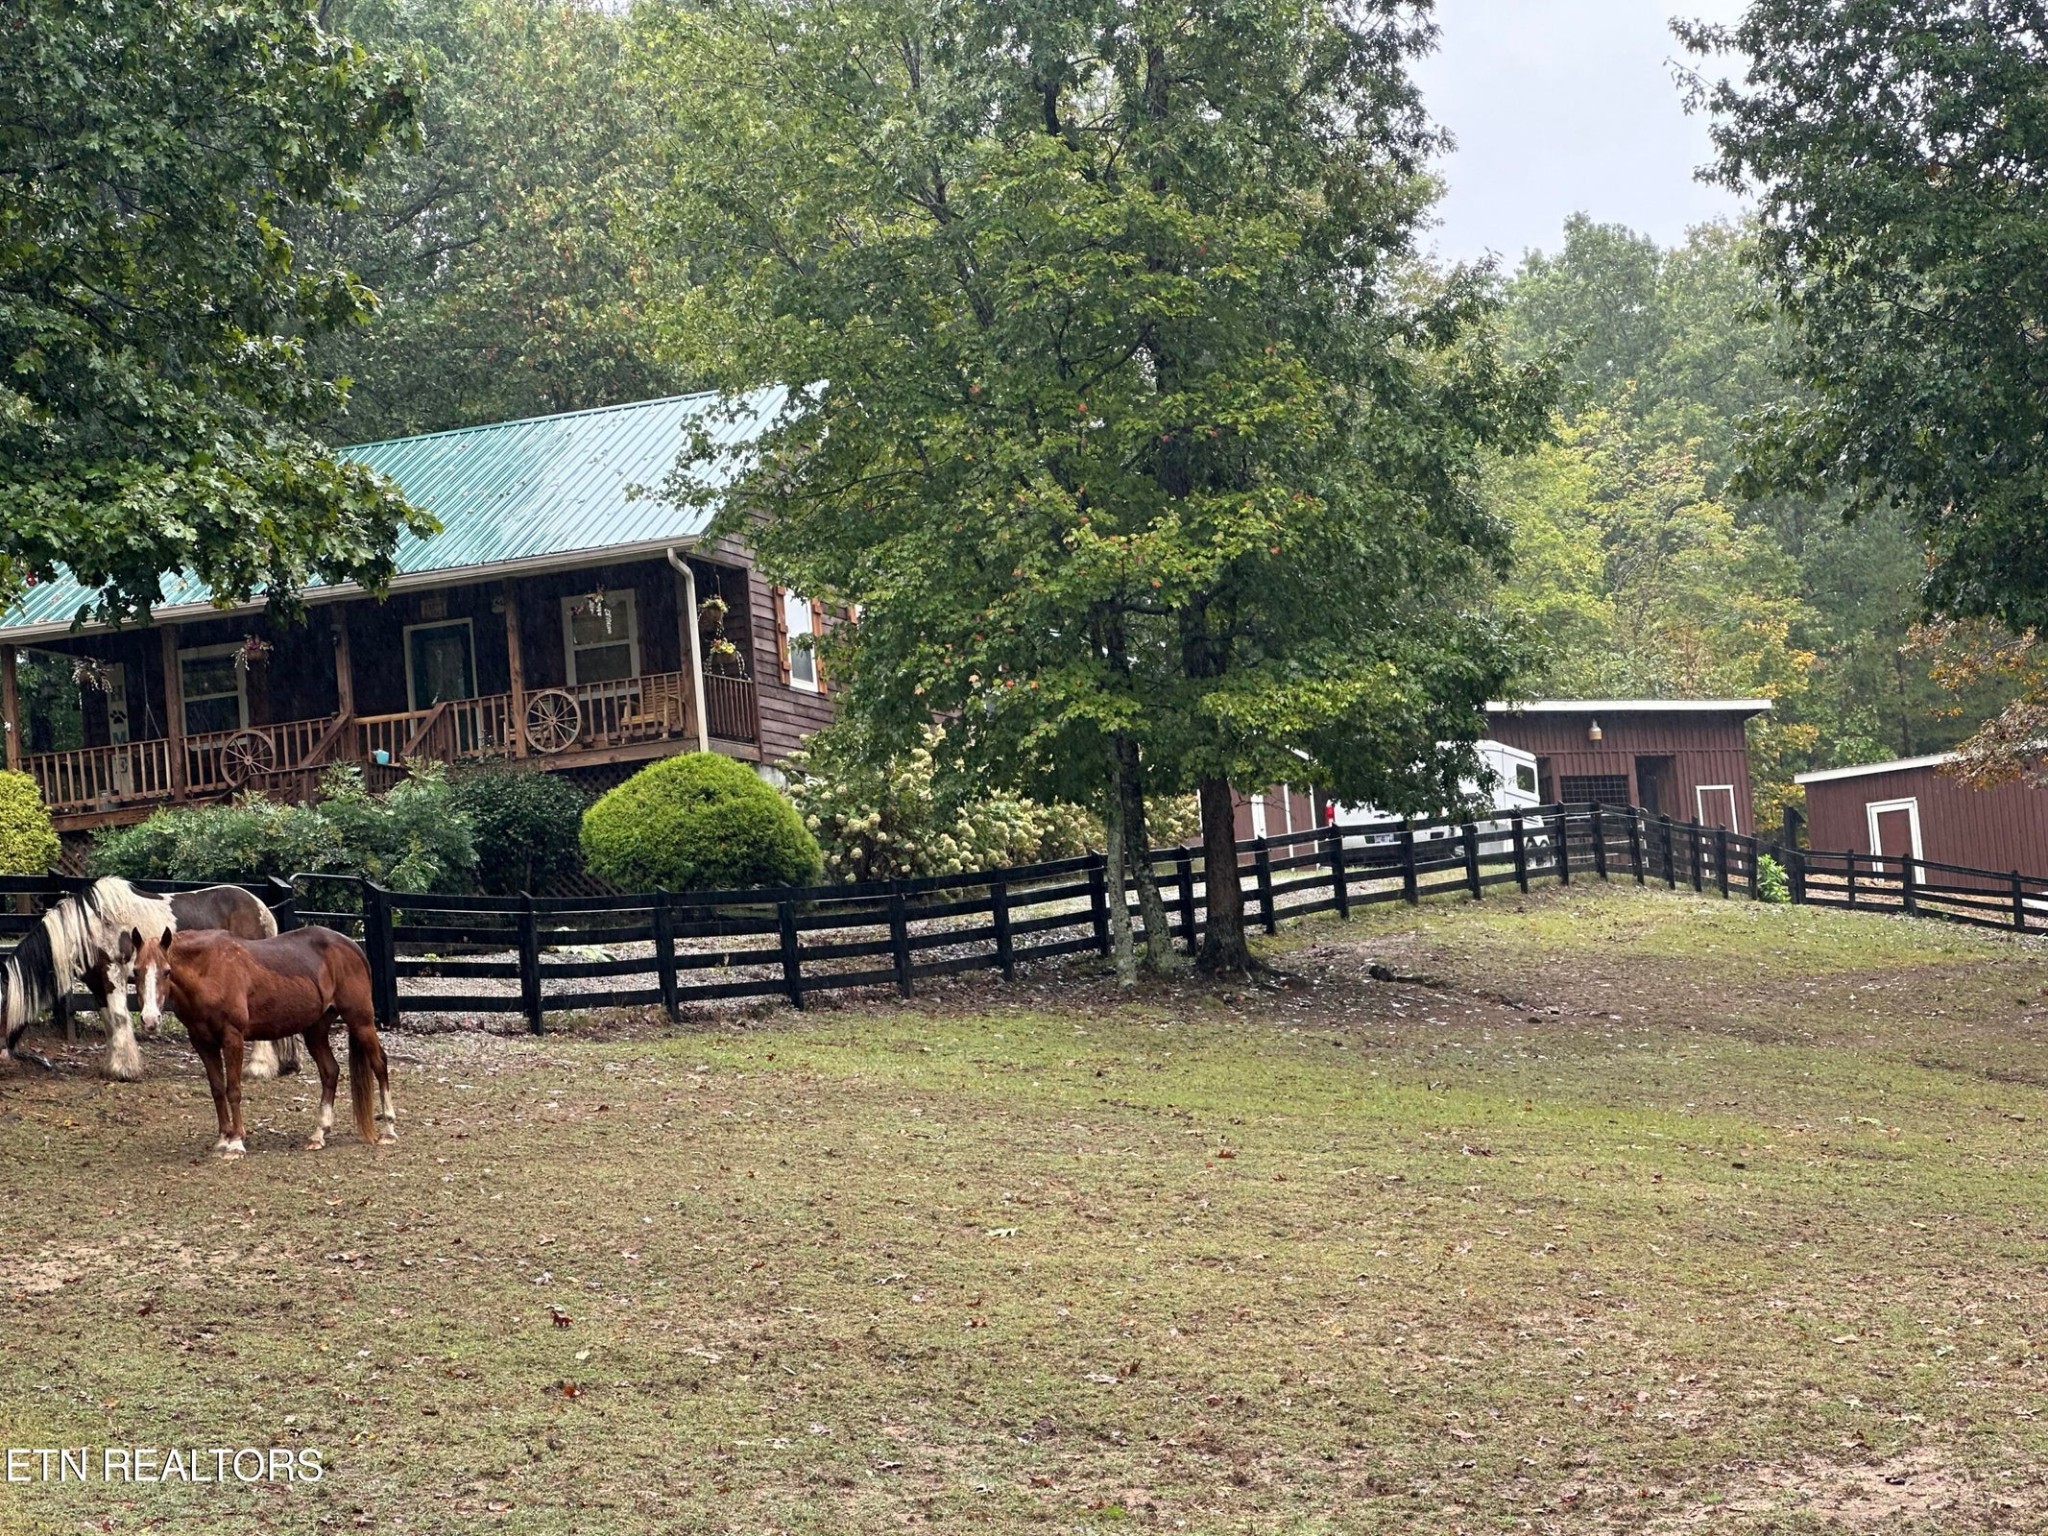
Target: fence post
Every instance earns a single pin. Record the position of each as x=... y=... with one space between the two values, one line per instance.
x=1850 y=881
x=286 y=908
x=999 y=908
x=1410 y=891
x=379 y=950
x=665 y=956
x=1184 y=873
x=1098 y=899
x=1909 y=884
x=792 y=957
x=1721 y=860
x=1599 y=844
x=1670 y=855
x=1635 y=843
x=1472 y=882
x=1560 y=836
x=1262 y=863
x=1340 y=878
x=1795 y=864
x=1521 y=842
x=899 y=936
x=529 y=963
x=1756 y=892
x=2019 y=903
x=1696 y=852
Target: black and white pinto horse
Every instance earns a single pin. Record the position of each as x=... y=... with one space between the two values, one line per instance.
x=89 y=937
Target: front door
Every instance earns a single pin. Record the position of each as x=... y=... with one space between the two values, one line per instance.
x=440 y=663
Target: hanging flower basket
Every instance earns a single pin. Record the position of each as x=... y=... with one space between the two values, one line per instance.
x=91 y=672
x=252 y=652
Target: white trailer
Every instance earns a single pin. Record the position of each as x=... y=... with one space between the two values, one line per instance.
x=1511 y=786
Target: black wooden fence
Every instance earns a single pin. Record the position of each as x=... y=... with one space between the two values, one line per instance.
x=534 y=956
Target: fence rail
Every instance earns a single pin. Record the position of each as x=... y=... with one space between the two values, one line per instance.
x=534 y=956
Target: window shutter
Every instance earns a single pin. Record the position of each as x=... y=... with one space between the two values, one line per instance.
x=817 y=634
x=775 y=604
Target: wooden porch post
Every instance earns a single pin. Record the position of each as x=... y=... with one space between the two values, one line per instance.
x=515 y=669
x=344 y=668
x=10 y=707
x=174 y=707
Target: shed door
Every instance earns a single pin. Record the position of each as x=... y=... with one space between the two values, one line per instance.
x=1717 y=806
x=1894 y=830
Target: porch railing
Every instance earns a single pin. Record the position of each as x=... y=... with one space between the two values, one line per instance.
x=87 y=777
x=652 y=707
x=729 y=708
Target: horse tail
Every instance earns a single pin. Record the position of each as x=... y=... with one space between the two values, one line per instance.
x=362 y=1086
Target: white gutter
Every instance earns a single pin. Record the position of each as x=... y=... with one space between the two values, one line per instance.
x=696 y=645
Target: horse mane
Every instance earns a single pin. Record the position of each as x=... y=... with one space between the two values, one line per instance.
x=76 y=933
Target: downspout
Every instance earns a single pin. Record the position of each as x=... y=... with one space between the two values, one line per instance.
x=696 y=645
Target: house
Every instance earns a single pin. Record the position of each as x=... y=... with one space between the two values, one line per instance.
x=564 y=618
x=1912 y=807
x=1683 y=758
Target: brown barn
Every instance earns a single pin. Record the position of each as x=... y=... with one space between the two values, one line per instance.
x=1911 y=807
x=1683 y=758
x=564 y=618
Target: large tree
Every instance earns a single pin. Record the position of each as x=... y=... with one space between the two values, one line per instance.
x=1900 y=152
x=153 y=312
x=1122 y=414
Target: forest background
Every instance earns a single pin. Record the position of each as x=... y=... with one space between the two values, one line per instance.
x=521 y=267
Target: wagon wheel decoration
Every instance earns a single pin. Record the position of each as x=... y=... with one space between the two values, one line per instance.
x=553 y=720
x=247 y=755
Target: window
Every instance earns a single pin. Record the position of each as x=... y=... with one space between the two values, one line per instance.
x=601 y=633
x=797 y=632
x=1525 y=778
x=1606 y=788
x=215 y=690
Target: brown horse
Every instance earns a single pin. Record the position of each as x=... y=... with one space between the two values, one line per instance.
x=229 y=991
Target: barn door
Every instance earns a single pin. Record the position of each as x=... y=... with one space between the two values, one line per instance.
x=1716 y=805
x=1894 y=827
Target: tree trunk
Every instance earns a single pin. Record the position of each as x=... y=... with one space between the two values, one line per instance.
x=1223 y=942
x=1137 y=850
x=1114 y=878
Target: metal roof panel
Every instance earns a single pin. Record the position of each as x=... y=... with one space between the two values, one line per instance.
x=515 y=491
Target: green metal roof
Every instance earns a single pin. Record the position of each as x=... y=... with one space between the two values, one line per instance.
x=518 y=492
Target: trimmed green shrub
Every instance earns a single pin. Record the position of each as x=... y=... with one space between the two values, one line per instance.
x=903 y=818
x=1771 y=884
x=411 y=838
x=699 y=821
x=527 y=826
x=28 y=843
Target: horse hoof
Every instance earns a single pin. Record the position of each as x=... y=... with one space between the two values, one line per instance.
x=390 y=1135
x=315 y=1143
x=125 y=1066
x=230 y=1150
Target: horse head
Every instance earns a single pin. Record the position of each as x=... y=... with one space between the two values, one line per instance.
x=148 y=953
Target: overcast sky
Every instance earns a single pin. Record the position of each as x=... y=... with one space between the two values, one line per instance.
x=1560 y=107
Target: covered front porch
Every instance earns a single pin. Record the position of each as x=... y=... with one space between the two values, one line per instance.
x=562 y=669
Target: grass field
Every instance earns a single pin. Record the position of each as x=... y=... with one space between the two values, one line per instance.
x=1622 y=1211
